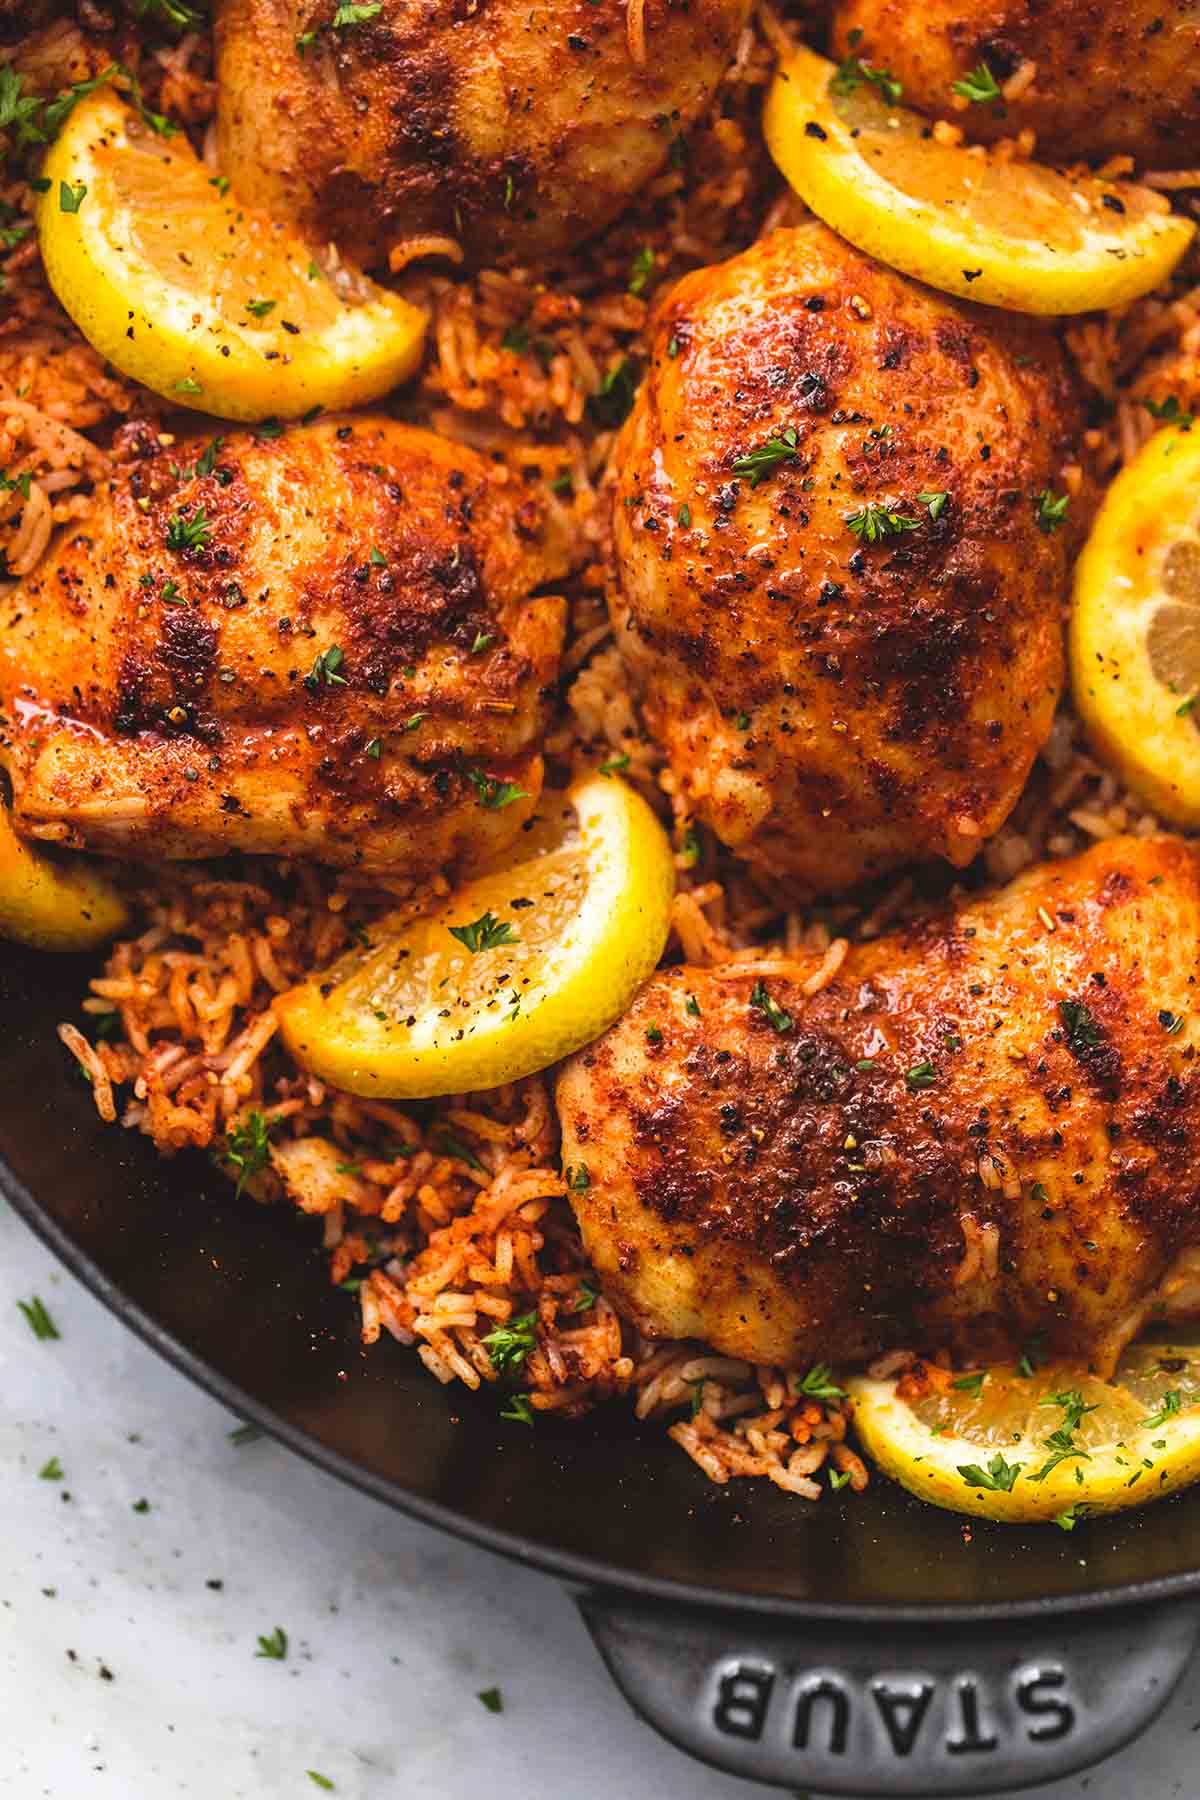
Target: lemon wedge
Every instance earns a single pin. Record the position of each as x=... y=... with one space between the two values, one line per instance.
x=198 y=297
x=1135 y=625
x=516 y=970
x=1011 y=234
x=1052 y=1443
x=54 y=902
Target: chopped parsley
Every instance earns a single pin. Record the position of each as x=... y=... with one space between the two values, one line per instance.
x=243 y=1434
x=51 y=1470
x=853 y=72
x=16 y=484
x=189 y=534
x=453 y=1146
x=1061 y=1443
x=509 y=1345
x=586 y=1298
x=777 y=1017
x=921 y=1075
x=260 y=308
x=818 y=1384
x=375 y=749
x=188 y=386
x=413 y=723
x=1083 y=1032
x=1068 y=1520
x=1170 y=1405
x=999 y=1477
x=319 y=1780
x=838 y=1479
x=206 y=462
x=140 y=1506
x=492 y=1697
x=610 y=765
x=1169 y=412
x=978 y=87
x=692 y=1005
x=1172 y=1023
x=757 y=464
x=484 y=933
x=654 y=1034
x=518 y=1408
x=274 y=1645
x=612 y=400
x=70 y=198
x=971 y=1384
x=355 y=14
x=377 y=558
x=874 y=522
x=641 y=269
x=173 y=12
x=483 y=641
x=18 y=109
x=492 y=793
x=248 y=1148
x=934 y=503
x=40 y=1322
x=325 y=669
x=578 y=1177
x=684 y=515
x=1051 y=510
x=516 y=339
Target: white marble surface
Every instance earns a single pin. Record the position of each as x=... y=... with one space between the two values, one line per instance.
x=125 y=1672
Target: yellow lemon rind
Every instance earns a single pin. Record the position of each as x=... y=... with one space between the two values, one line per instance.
x=623 y=926
x=170 y=343
x=904 y=1449
x=927 y=242
x=51 y=902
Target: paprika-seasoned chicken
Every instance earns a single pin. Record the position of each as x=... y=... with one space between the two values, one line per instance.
x=1110 y=77
x=982 y=1129
x=514 y=128
x=842 y=543
x=318 y=644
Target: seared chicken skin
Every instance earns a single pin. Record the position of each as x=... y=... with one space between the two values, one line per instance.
x=984 y=1127
x=515 y=128
x=839 y=587
x=317 y=645
x=1112 y=76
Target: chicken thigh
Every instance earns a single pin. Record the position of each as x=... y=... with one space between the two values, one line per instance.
x=515 y=128
x=318 y=644
x=984 y=1128
x=1109 y=76
x=842 y=556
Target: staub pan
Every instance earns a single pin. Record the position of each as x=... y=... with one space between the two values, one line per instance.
x=866 y=1647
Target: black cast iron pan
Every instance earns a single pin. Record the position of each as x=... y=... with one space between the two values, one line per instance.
x=859 y=1646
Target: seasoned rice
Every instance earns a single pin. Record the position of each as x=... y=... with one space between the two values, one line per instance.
x=450 y=1223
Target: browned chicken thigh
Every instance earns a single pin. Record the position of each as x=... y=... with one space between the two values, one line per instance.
x=841 y=560
x=983 y=1128
x=513 y=127
x=320 y=644
x=1109 y=76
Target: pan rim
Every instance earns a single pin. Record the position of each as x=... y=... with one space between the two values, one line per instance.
x=568 y=1566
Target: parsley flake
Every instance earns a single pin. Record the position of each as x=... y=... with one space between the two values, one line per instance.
x=274 y=1645
x=578 y=1177
x=325 y=669
x=978 y=87
x=757 y=464
x=935 y=503
x=51 y=1470
x=260 y=308
x=921 y=1075
x=70 y=198
x=641 y=269
x=492 y=1697
x=853 y=72
x=484 y=933
x=247 y=1147
x=509 y=1345
x=611 y=764
x=39 y=1320
x=999 y=1477
x=189 y=534
x=518 y=1408
x=777 y=1017
x=349 y=13
x=319 y=1780
x=612 y=400
x=1169 y=1406
x=1169 y=412
x=818 y=1384
x=1051 y=510
x=874 y=522
x=492 y=793
x=1083 y=1032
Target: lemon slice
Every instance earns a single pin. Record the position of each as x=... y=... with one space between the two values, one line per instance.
x=54 y=902
x=204 y=300
x=516 y=970
x=1135 y=626
x=1012 y=234
x=1054 y=1443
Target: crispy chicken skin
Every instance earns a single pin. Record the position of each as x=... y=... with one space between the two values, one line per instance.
x=180 y=702
x=825 y=1187
x=516 y=128
x=834 y=707
x=1113 y=76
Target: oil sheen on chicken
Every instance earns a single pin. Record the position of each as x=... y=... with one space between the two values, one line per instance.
x=1110 y=77
x=984 y=1129
x=840 y=585
x=317 y=644
x=519 y=126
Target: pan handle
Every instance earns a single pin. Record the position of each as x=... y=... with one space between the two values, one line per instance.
x=887 y=1709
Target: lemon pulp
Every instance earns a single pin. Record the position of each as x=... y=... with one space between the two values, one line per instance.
x=514 y=971
x=206 y=301
x=1008 y=233
x=1021 y=1444
x=1135 y=625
